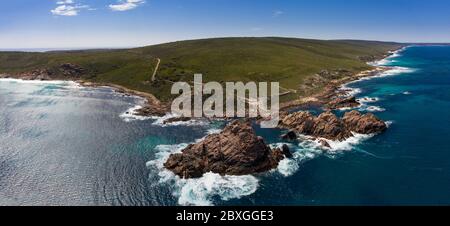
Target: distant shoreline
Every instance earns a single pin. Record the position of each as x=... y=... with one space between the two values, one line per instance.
x=330 y=91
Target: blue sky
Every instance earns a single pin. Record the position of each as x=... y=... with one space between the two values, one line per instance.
x=127 y=23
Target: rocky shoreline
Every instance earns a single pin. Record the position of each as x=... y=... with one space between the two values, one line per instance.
x=327 y=126
x=237 y=150
x=72 y=72
x=154 y=107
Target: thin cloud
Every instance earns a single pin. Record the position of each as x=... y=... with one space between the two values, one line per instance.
x=124 y=5
x=63 y=2
x=68 y=8
x=277 y=13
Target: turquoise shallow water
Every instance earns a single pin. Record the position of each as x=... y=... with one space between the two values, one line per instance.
x=65 y=145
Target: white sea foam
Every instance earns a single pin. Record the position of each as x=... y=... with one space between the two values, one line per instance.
x=396 y=71
x=349 y=144
x=131 y=115
x=310 y=148
x=389 y=123
x=407 y=93
x=391 y=72
x=365 y=100
x=349 y=91
x=214 y=131
x=69 y=84
x=389 y=59
x=200 y=191
x=305 y=151
x=372 y=109
x=193 y=122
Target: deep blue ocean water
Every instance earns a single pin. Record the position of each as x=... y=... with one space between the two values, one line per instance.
x=65 y=145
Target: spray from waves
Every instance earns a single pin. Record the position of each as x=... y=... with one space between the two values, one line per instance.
x=68 y=84
x=131 y=115
x=337 y=147
x=201 y=191
x=396 y=71
x=365 y=100
x=390 y=59
x=371 y=108
x=392 y=71
x=160 y=121
x=349 y=91
x=310 y=148
x=389 y=123
x=303 y=152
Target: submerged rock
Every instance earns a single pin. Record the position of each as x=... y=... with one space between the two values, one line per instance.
x=286 y=151
x=235 y=151
x=290 y=136
x=177 y=119
x=327 y=125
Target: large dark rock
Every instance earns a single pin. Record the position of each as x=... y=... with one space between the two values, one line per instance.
x=286 y=151
x=290 y=136
x=235 y=151
x=327 y=125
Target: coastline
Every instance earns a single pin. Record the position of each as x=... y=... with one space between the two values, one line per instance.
x=153 y=107
x=247 y=184
x=336 y=88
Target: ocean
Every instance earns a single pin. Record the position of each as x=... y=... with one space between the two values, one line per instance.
x=62 y=144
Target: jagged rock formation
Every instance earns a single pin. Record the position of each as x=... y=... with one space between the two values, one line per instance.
x=327 y=125
x=235 y=151
x=343 y=102
x=363 y=124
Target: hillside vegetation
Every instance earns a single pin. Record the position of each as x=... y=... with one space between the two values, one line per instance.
x=289 y=61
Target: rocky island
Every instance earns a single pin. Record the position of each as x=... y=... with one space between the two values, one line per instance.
x=235 y=151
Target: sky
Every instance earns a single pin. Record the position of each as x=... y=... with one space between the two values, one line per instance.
x=130 y=23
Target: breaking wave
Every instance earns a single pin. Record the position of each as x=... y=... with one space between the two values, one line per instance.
x=67 y=84
x=131 y=114
x=349 y=91
x=201 y=191
x=370 y=108
x=390 y=59
x=310 y=148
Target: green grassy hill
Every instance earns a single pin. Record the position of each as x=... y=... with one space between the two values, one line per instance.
x=287 y=60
